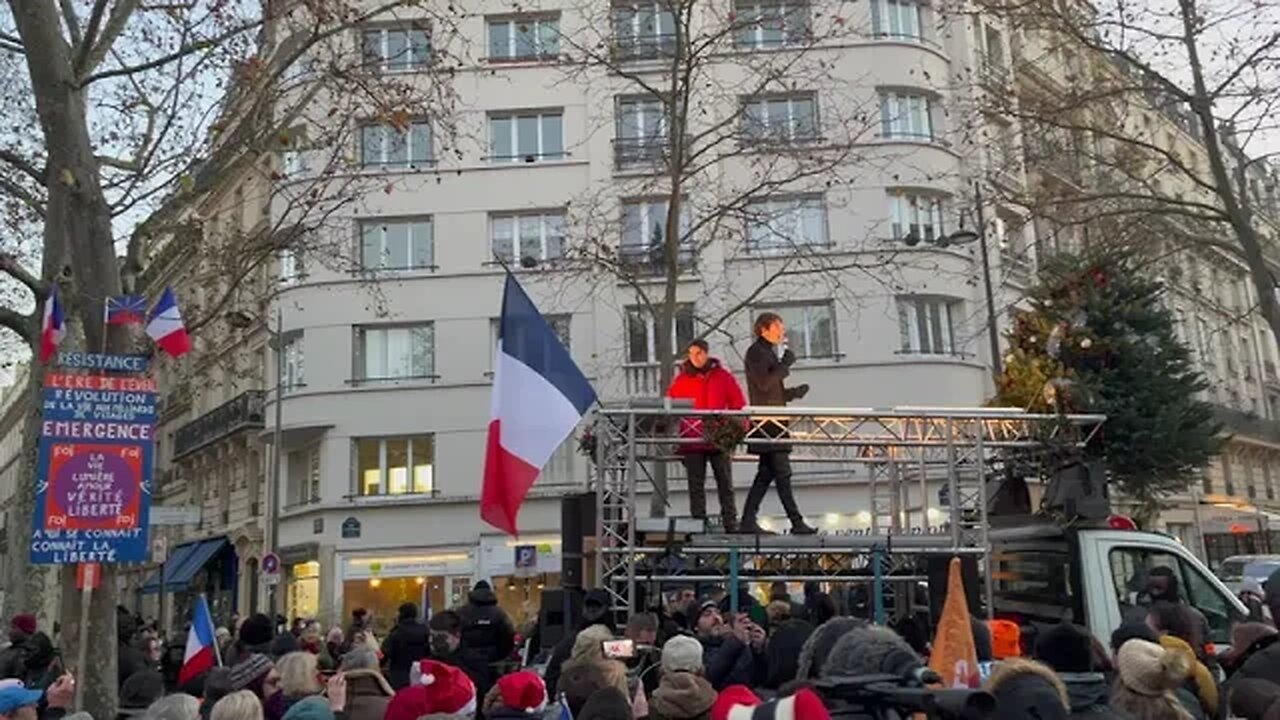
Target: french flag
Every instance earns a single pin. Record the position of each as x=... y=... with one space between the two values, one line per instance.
x=201 y=650
x=53 y=326
x=166 y=328
x=539 y=395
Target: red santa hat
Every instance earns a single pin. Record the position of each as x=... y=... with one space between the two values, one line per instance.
x=523 y=690
x=447 y=689
x=737 y=702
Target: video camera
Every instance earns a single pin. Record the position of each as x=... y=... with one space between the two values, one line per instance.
x=895 y=697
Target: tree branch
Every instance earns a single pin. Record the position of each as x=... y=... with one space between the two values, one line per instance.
x=72 y=21
x=17 y=322
x=10 y=265
x=24 y=195
x=94 y=48
x=22 y=164
x=178 y=54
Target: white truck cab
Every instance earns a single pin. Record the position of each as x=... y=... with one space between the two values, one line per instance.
x=1097 y=576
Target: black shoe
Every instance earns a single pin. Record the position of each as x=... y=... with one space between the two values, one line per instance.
x=799 y=527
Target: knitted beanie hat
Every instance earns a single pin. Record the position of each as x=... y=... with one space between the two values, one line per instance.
x=682 y=654
x=1149 y=669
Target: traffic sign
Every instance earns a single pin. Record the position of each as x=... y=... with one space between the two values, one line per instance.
x=271 y=564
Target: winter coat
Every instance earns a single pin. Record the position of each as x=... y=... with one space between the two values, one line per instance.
x=710 y=387
x=13 y=659
x=407 y=643
x=782 y=656
x=1261 y=660
x=487 y=638
x=1090 y=697
x=560 y=653
x=727 y=661
x=1024 y=689
x=130 y=660
x=765 y=373
x=682 y=696
x=368 y=694
x=1206 y=688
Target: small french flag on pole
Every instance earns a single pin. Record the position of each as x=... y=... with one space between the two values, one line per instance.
x=166 y=328
x=201 y=651
x=539 y=395
x=53 y=326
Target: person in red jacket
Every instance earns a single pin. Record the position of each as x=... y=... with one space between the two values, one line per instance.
x=705 y=381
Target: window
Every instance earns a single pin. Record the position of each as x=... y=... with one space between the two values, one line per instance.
x=790 y=119
x=524 y=38
x=1033 y=583
x=643 y=30
x=387 y=353
x=779 y=225
x=400 y=244
x=537 y=236
x=526 y=137
x=926 y=325
x=397 y=49
x=294 y=375
x=1131 y=570
x=641 y=331
x=291 y=268
x=771 y=23
x=644 y=223
x=811 y=328
x=559 y=470
x=293 y=151
x=901 y=19
x=906 y=115
x=303 y=468
x=395 y=466
x=389 y=147
x=916 y=215
x=641 y=133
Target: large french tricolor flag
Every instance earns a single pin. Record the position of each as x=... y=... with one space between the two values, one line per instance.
x=201 y=650
x=539 y=395
x=53 y=326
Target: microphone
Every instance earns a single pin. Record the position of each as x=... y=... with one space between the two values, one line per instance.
x=871 y=650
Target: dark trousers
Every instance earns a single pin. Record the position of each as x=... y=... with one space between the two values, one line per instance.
x=695 y=465
x=774 y=468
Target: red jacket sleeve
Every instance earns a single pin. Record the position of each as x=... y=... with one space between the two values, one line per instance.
x=734 y=399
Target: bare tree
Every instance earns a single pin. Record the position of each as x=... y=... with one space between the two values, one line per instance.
x=1148 y=125
x=150 y=115
x=731 y=123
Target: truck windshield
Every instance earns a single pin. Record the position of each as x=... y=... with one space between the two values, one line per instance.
x=1231 y=570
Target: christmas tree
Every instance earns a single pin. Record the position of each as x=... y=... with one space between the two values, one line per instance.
x=1098 y=338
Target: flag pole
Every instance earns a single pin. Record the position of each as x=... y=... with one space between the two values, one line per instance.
x=213 y=630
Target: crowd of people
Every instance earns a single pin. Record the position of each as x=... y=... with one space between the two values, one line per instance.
x=689 y=659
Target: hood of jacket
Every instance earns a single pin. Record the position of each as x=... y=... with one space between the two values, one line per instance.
x=687 y=367
x=1086 y=690
x=682 y=695
x=1023 y=688
x=483 y=596
x=368 y=682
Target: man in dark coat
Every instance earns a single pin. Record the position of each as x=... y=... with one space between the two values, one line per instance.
x=595 y=611
x=407 y=643
x=487 y=637
x=13 y=658
x=730 y=655
x=766 y=370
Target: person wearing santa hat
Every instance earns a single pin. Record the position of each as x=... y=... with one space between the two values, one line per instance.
x=435 y=690
x=520 y=695
x=737 y=702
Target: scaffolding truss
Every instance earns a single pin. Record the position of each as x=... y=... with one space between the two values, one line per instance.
x=903 y=453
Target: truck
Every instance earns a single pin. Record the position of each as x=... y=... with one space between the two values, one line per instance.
x=1095 y=574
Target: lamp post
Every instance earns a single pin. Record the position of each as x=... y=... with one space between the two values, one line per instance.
x=964 y=237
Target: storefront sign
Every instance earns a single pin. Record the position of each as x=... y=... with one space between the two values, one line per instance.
x=350 y=528
x=93 y=483
x=303 y=552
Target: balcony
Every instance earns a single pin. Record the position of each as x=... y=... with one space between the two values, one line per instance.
x=995 y=74
x=642 y=380
x=647 y=260
x=243 y=412
x=1239 y=422
x=643 y=46
x=639 y=153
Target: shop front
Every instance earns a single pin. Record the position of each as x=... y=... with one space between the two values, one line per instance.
x=1232 y=529
x=301 y=569
x=206 y=567
x=519 y=570
x=434 y=579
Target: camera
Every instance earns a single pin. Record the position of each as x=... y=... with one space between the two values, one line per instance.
x=897 y=697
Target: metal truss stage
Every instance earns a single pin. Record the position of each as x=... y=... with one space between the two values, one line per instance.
x=898 y=455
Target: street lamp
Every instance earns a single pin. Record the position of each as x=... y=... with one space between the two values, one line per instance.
x=964 y=237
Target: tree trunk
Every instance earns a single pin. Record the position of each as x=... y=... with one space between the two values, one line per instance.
x=78 y=249
x=1264 y=282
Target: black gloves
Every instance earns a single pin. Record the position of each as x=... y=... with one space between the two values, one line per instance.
x=788 y=358
x=800 y=391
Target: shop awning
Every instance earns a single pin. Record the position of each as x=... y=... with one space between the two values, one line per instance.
x=182 y=565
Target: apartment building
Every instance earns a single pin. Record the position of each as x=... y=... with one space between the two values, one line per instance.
x=1234 y=509
x=552 y=158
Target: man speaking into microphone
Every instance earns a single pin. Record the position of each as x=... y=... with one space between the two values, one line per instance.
x=768 y=362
